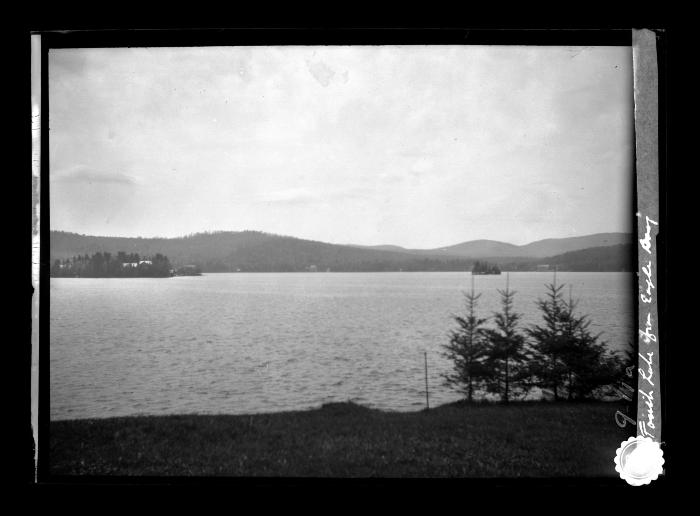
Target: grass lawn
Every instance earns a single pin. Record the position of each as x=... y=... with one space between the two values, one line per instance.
x=535 y=439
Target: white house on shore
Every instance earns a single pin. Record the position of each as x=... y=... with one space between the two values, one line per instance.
x=136 y=264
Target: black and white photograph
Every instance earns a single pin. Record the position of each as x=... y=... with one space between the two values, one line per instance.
x=347 y=260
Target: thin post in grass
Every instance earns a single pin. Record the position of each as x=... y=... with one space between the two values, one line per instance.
x=427 y=401
x=571 y=296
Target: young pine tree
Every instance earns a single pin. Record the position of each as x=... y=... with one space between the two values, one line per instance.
x=550 y=341
x=568 y=358
x=466 y=349
x=588 y=363
x=506 y=356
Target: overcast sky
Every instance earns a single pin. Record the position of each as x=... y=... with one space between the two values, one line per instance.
x=415 y=146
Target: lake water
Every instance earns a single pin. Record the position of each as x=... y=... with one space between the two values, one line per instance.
x=250 y=343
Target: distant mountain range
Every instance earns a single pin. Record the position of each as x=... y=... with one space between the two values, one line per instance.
x=538 y=249
x=254 y=251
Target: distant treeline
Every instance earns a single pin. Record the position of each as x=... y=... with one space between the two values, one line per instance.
x=105 y=265
x=280 y=264
x=614 y=258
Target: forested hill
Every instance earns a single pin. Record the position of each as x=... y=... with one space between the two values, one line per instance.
x=254 y=251
x=596 y=259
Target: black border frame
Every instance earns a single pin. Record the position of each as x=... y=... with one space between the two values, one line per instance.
x=94 y=38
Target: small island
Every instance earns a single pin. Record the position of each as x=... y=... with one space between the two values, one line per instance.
x=485 y=268
x=106 y=265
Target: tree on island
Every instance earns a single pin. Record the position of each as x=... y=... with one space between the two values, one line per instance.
x=485 y=268
x=467 y=349
x=506 y=357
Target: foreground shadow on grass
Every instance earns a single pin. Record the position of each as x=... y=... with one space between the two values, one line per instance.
x=526 y=439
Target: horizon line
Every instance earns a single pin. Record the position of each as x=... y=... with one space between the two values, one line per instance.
x=205 y=232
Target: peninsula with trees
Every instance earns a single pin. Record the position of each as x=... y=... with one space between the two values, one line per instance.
x=106 y=265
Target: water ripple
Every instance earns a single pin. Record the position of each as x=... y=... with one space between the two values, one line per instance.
x=250 y=343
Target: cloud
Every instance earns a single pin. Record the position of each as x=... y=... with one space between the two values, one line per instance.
x=308 y=196
x=428 y=144
x=291 y=196
x=82 y=174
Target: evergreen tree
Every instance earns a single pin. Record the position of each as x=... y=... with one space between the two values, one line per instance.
x=550 y=342
x=506 y=355
x=568 y=358
x=466 y=349
x=588 y=363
